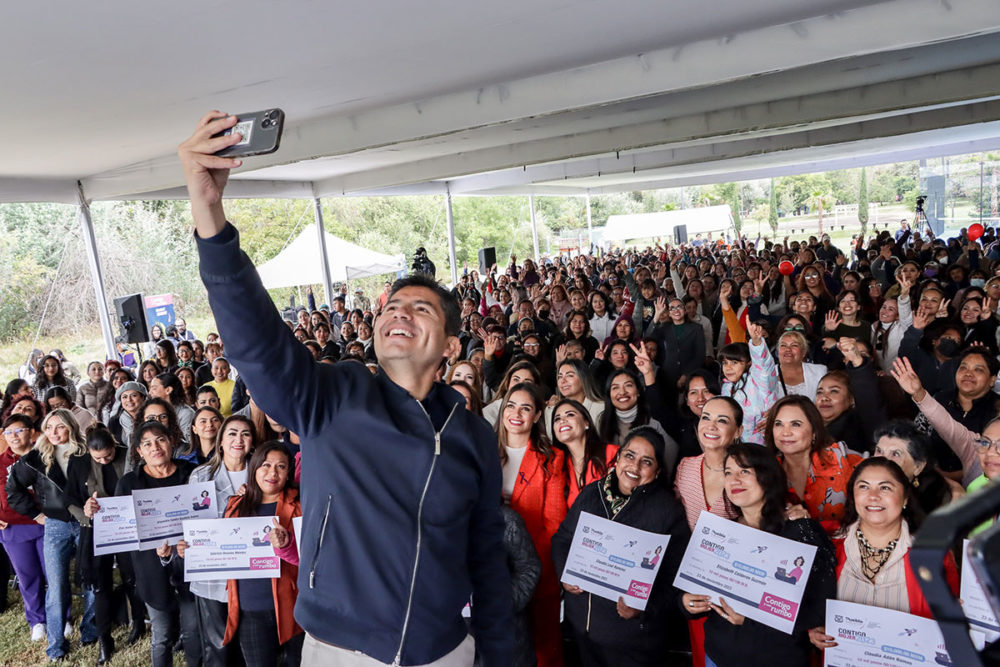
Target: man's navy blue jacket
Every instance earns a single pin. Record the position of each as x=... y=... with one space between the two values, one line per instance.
x=400 y=498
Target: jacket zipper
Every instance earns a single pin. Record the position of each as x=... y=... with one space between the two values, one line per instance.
x=319 y=543
x=420 y=511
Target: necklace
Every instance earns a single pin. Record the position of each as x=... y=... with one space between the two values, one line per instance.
x=705 y=461
x=877 y=555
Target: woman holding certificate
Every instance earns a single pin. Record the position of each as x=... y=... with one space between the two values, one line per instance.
x=610 y=633
x=169 y=605
x=89 y=478
x=534 y=484
x=817 y=469
x=755 y=484
x=261 y=609
x=228 y=469
x=873 y=545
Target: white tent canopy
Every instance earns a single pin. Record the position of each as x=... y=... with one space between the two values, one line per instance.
x=300 y=262
x=524 y=97
x=648 y=225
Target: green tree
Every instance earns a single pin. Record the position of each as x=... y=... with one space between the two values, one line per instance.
x=772 y=212
x=863 y=202
x=818 y=201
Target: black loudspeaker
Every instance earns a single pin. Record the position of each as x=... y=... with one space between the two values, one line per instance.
x=132 y=319
x=487 y=258
x=680 y=234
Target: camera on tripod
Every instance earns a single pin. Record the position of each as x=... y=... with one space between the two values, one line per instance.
x=920 y=203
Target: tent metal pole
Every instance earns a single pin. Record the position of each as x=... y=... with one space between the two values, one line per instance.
x=590 y=228
x=324 y=258
x=452 y=261
x=96 y=275
x=534 y=226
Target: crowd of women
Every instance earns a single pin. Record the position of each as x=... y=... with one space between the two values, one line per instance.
x=827 y=397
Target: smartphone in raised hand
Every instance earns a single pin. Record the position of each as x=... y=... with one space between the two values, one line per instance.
x=260 y=133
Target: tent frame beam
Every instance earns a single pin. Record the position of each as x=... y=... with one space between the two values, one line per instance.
x=324 y=257
x=96 y=274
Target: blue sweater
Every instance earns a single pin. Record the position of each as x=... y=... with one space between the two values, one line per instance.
x=400 y=498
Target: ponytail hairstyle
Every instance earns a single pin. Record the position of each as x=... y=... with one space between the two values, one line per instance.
x=99 y=438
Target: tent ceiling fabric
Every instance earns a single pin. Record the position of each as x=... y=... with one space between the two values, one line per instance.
x=299 y=263
x=587 y=95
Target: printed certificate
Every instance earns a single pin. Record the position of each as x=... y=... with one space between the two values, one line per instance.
x=760 y=575
x=160 y=513
x=613 y=560
x=983 y=623
x=114 y=526
x=230 y=549
x=876 y=637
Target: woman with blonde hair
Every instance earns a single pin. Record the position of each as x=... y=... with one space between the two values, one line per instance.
x=35 y=489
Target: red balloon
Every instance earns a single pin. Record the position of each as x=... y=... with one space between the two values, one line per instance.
x=975 y=231
x=786 y=268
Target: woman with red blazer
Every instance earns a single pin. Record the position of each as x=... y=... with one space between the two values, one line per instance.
x=268 y=628
x=873 y=546
x=534 y=484
x=588 y=459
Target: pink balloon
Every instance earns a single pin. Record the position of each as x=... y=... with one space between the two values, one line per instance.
x=786 y=268
x=975 y=231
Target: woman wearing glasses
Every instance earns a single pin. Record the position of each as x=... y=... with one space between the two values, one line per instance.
x=811 y=280
x=980 y=454
x=683 y=342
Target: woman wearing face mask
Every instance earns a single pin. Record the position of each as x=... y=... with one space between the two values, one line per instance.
x=932 y=347
x=754 y=484
x=701 y=386
x=611 y=633
x=587 y=456
x=817 y=468
x=849 y=400
x=873 y=545
x=534 y=483
x=903 y=444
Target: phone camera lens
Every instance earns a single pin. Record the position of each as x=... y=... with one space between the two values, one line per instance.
x=273 y=115
x=265 y=123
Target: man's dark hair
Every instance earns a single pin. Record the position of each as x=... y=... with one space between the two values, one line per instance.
x=206 y=389
x=452 y=311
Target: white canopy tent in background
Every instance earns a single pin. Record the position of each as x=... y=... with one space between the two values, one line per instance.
x=524 y=97
x=300 y=262
x=704 y=220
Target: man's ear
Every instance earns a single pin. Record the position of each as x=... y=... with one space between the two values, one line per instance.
x=452 y=347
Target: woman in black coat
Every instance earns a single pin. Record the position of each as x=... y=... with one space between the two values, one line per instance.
x=611 y=633
x=849 y=400
x=169 y=604
x=756 y=486
x=87 y=479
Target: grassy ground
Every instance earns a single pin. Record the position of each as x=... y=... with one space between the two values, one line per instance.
x=17 y=649
x=81 y=348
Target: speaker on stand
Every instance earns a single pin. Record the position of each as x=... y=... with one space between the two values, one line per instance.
x=487 y=258
x=680 y=234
